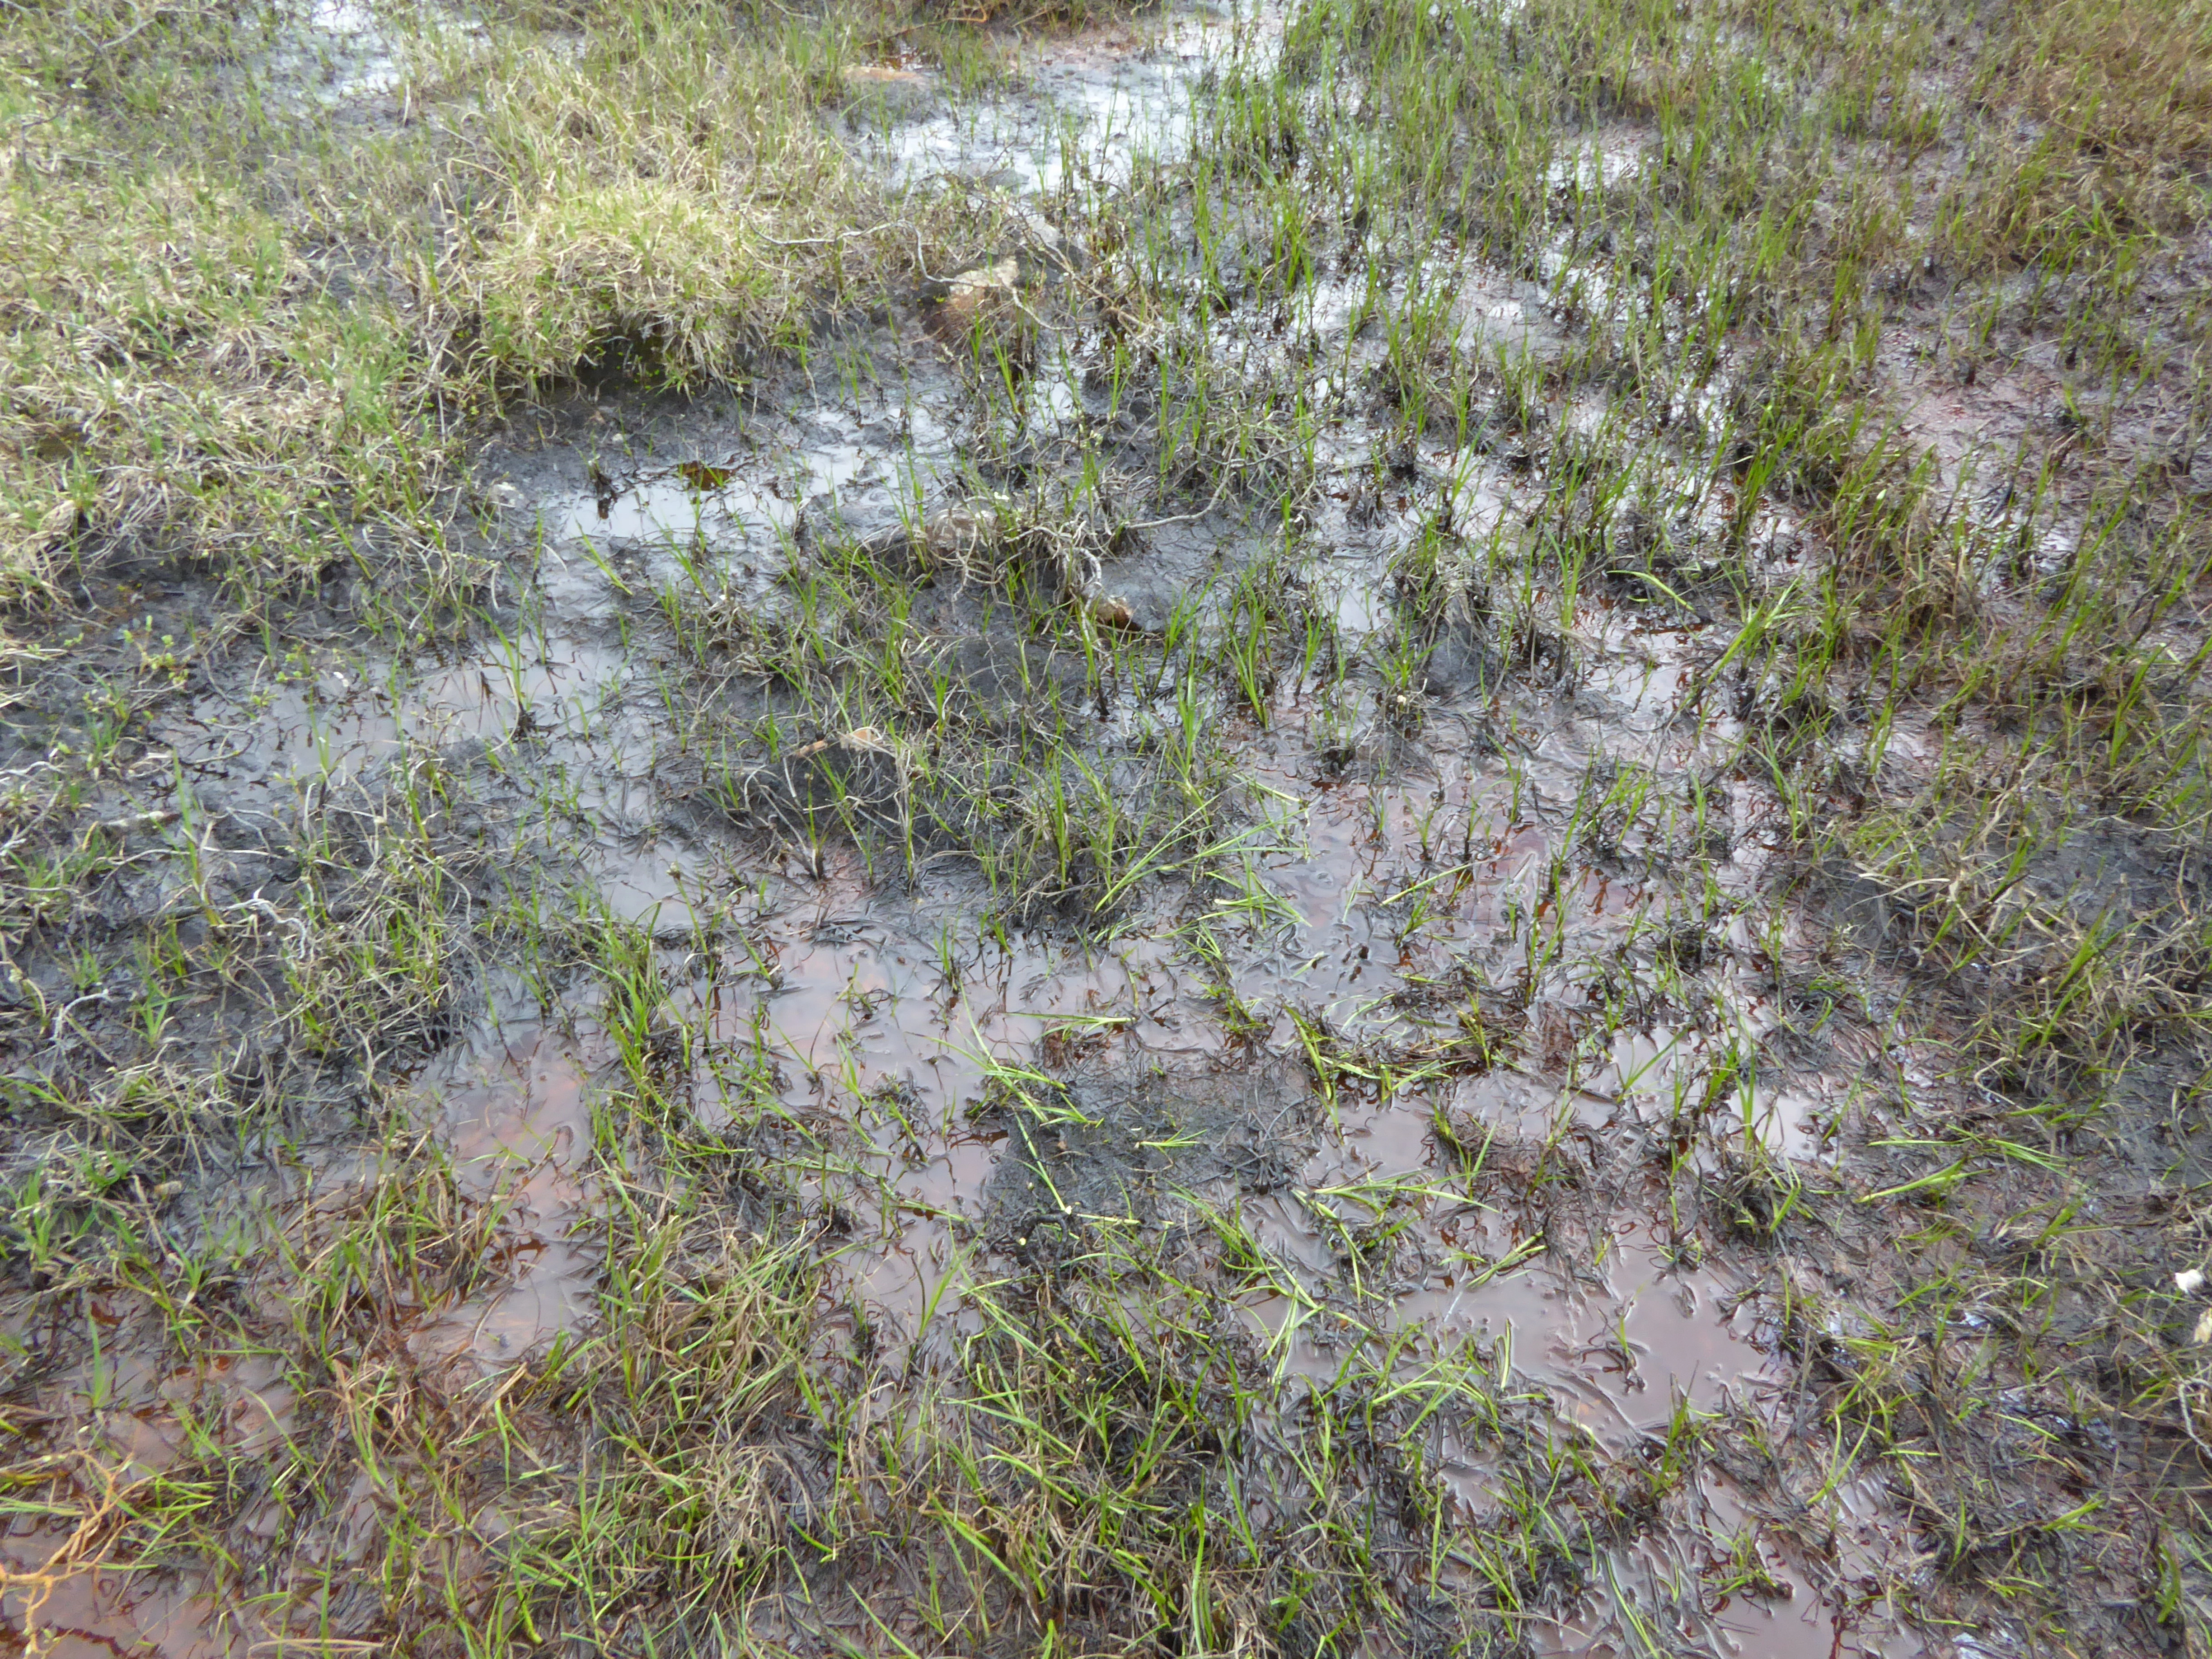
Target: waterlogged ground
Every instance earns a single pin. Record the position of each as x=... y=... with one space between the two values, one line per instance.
x=1042 y=980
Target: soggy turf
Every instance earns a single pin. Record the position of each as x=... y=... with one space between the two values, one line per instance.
x=1370 y=829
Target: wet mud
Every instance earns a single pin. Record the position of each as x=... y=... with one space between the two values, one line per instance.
x=1490 y=1027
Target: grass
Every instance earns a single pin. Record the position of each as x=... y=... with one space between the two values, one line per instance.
x=1620 y=583
x=251 y=343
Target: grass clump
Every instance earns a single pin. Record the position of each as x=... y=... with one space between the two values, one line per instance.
x=176 y=388
x=2119 y=92
x=665 y=190
x=680 y=279
x=248 y=351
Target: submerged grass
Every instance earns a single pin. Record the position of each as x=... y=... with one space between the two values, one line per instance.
x=1860 y=349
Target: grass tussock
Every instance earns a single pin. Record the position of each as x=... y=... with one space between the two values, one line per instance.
x=176 y=384
x=662 y=195
x=681 y=278
x=249 y=353
x=2102 y=128
x=2118 y=78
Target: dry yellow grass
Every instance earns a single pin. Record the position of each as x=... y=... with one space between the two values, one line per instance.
x=2113 y=103
x=2127 y=76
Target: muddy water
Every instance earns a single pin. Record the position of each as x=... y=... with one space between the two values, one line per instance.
x=334 y=56
x=1090 y=108
x=139 y=1419
x=85 y=1613
x=853 y=1000
x=1418 y=1204
x=884 y=1018
x=518 y=1126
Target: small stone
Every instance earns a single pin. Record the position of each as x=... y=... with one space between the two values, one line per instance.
x=859 y=737
x=972 y=291
x=1110 y=610
x=960 y=535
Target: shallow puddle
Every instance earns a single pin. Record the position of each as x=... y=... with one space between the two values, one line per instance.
x=518 y=1124
x=68 y=1612
x=1390 y=1071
